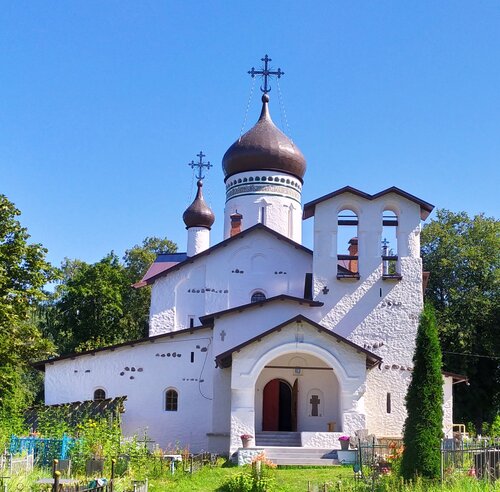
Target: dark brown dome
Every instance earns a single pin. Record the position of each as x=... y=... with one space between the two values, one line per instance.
x=198 y=214
x=264 y=147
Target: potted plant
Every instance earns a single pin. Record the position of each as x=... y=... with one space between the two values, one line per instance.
x=246 y=439
x=344 y=442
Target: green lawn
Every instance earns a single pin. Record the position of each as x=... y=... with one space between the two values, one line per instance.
x=286 y=479
x=340 y=479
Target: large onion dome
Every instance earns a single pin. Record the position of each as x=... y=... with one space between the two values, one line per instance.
x=198 y=214
x=264 y=147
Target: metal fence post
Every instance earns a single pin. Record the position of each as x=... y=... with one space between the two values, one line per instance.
x=113 y=463
x=57 y=475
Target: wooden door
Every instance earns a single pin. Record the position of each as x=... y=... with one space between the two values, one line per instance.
x=295 y=394
x=271 y=406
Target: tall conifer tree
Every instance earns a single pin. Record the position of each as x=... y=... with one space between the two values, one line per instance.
x=424 y=403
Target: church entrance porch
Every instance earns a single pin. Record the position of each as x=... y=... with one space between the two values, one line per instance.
x=297 y=393
x=329 y=375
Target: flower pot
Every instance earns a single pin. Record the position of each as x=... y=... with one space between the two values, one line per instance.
x=344 y=445
x=246 y=442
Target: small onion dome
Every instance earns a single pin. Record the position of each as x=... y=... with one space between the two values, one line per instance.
x=264 y=147
x=198 y=214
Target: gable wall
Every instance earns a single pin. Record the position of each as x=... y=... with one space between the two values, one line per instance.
x=156 y=369
x=227 y=278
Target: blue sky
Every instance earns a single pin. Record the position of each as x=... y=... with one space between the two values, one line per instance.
x=103 y=104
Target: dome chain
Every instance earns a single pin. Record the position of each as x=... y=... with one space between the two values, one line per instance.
x=248 y=107
x=283 y=111
x=190 y=197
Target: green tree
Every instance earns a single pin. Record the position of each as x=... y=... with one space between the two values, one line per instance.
x=96 y=305
x=136 y=301
x=424 y=404
x=24 y=271
x=462 y=255
x=89 y=304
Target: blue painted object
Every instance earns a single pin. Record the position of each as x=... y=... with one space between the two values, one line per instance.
x=44 y=449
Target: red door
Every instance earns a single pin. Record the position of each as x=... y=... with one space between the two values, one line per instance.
x=271 y=406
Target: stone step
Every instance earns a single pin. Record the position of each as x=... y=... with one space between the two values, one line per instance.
x=305 y=462
x=302 y=456
x=277 y=439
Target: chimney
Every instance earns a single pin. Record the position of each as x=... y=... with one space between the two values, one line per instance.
x=353 y=251
x=235 y=223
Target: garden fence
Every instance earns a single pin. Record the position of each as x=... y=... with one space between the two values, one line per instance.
x=14 y=464
x=195 y=462
x=473 y=457
x=478 y=458
x=44 y=450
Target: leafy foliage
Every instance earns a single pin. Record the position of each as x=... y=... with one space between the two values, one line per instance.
x=23 y=273
x=424 y=400
x=463 y=256
x=95 y=304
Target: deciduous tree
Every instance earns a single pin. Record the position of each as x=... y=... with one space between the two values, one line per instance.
x=462 y=255
x=24 y=271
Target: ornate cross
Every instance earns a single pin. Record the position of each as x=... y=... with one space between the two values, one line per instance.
x=266 y=73
x=385 y=245
x=314 y=401
x=200 y=165
x=222 y=335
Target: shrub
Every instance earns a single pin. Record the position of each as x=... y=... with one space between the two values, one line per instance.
x=424 y=403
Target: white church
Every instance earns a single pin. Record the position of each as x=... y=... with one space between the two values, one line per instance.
x=260 y=335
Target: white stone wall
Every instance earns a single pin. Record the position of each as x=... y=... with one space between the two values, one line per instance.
x=226 y=278
x=380 y=315
x=143 y=373
x=448 y=406
x=198 y=240
x=279 y=195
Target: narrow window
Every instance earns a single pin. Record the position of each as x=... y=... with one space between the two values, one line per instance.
x=347 y=245
x=388 y=403
x=263 y=215
x=171 y=400
x=389 y=250
x=192 y=356
x=258 y=296
x=290 y=221
x=99 y=394
x=191 y=321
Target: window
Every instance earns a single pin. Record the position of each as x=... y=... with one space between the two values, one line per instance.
x=258 y=296
x=347 y=245
x=388 y=403
x=389 y=250
x=99 y=394
x=191 y=320
x=171 y=400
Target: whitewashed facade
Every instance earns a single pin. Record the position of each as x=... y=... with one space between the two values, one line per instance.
x=258 y=333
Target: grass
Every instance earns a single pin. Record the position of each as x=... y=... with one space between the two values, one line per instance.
x=286 y=479
x=297 y=479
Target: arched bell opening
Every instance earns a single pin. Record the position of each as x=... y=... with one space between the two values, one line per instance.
x=297 y=393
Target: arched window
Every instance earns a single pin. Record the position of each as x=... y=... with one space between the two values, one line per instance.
x=99 y=394
x=171 y=400
x=389 y=247
x=258 y=296
x=347 y=245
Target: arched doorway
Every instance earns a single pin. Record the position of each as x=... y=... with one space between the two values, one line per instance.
x=279 y=406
